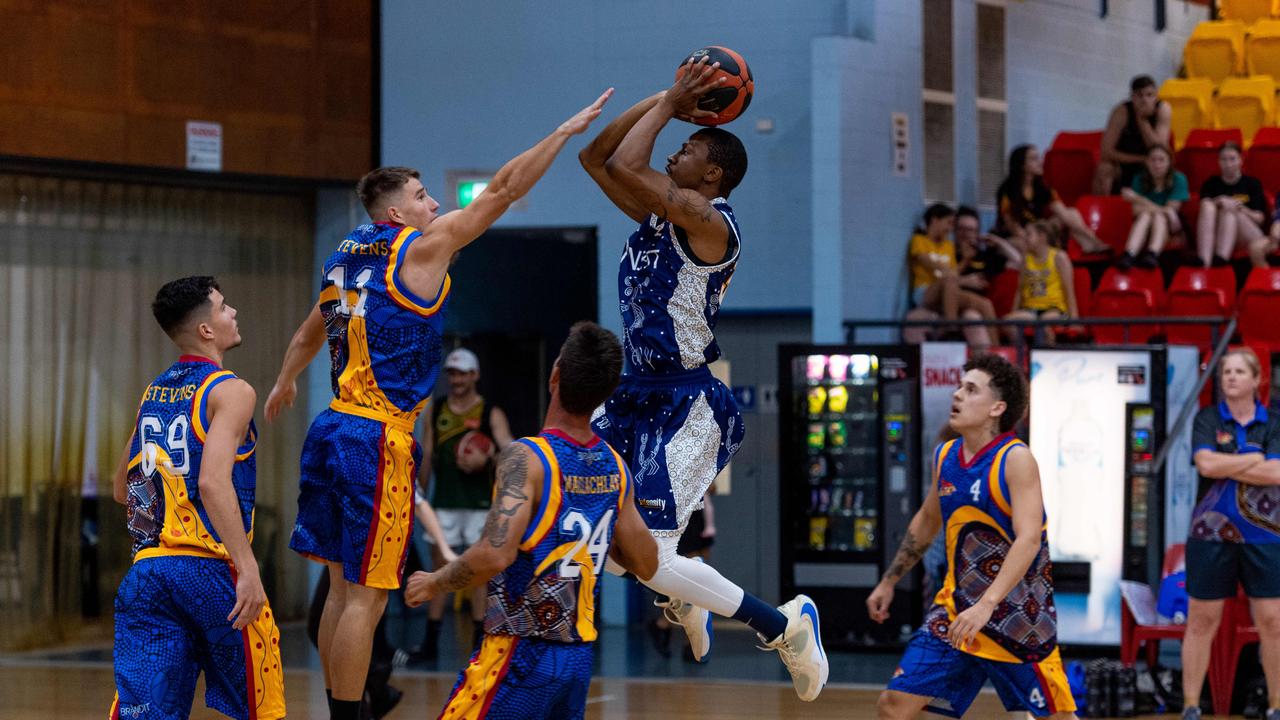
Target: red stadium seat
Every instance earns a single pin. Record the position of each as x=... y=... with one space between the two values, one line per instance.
x=1259 y=304
x=1263 y=160
x=1200 y=291
x=1070 y=162
x=1136 y=293
x=1109 y=216
x=1002 y=290
x=1083 y=285
x=1198 y=158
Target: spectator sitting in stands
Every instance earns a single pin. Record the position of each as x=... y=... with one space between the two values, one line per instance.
x=1259 y=249
x=1156 y=194
x=935 y=283
x=1045 y=289
x=1133 y=128
x=1024 y=198
x=982 y=257
x=1233 y=209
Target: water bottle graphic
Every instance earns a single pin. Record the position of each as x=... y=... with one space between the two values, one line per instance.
x=1075 y=532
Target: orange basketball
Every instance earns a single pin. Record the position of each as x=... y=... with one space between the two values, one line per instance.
x=734 y=95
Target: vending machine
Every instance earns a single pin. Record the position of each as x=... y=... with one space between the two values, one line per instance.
x=849 y=482
x=1098 y=417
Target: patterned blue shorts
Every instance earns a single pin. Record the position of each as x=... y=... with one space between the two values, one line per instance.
x=519 y=678
x=171 y=624
x=676 y=433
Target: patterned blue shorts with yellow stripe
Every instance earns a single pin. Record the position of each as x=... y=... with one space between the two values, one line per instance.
x=355 y=504
x=932 y=668
x=171 y=624
x=515 y=678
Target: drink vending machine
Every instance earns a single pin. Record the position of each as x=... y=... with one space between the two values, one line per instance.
x=850 y=481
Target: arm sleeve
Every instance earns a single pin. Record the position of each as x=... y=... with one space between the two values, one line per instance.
x=1203 y=431
x=1207 y=188
x=1181 y=192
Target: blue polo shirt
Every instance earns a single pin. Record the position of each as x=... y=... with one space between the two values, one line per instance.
x=1231 y=511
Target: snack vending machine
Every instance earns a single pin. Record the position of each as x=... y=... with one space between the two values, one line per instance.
x=850 y=482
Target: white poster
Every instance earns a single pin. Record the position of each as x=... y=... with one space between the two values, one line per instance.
x=1179 y=473
x=204 y=146
x=1078 y=402
x=941 y=366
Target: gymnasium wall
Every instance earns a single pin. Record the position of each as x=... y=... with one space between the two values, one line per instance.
x=1074 y=66
x=115 y=81
x=468 y=86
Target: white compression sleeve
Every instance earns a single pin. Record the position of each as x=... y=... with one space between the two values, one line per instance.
x=692 y=581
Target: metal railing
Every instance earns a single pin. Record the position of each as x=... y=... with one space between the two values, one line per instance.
x=1221 y=330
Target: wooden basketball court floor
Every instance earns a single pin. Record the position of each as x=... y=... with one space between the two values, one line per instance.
x=83 y=691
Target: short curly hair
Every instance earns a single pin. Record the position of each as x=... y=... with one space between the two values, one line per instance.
x=1009 y=384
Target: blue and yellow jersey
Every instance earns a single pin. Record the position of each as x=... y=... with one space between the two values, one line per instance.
x=384 y=341
x=166 y=515
x=978 y=521
x=551 y=589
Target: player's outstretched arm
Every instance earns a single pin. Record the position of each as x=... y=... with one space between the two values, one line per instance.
x=920 y=532
x=1027 y=504
x=306 y=342
x=518 y=485
x=230 y=409
x=454 y=230
x=656 y=192
x=594 y=156
x=633 y=545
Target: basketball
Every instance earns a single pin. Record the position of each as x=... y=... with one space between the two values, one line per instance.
x=734 y=95
x=477 y=443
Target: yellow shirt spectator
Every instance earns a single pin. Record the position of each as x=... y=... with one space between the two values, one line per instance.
x=941 y=252
x=1041 y=285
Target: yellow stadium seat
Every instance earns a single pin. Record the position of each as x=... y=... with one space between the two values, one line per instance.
x=1215 y=50
x=1246 y=11
x=1192 y=104
x=1262 y=48
x=1246 y=103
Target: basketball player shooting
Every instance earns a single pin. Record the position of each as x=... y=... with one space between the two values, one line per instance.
x=994 y=617
x=674 y=424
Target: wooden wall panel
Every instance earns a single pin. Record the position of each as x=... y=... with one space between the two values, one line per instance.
x=117 y=80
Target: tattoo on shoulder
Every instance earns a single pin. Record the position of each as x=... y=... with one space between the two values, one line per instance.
x=701 y=210
x=512 y=474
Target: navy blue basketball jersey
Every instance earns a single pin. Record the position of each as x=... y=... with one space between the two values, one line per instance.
x=166 y=515
x=977 y=518
x=551 y=589
x=384 y=341
x=669 y=302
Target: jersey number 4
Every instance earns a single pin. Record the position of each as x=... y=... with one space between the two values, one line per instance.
x=338 y=276
x=596 y=540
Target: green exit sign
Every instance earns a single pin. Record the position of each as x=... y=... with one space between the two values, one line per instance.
x=468 y=190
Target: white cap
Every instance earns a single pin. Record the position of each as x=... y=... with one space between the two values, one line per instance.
x=462 y=359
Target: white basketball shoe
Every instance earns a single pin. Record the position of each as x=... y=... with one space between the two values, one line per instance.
x=800 y=647
x=696 y=622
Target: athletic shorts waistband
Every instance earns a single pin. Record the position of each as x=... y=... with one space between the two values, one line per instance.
x=401 y=423
x=700 y=374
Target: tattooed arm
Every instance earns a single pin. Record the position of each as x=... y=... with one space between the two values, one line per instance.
x=658 y=193
x=925 y=524
x=516 y=491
